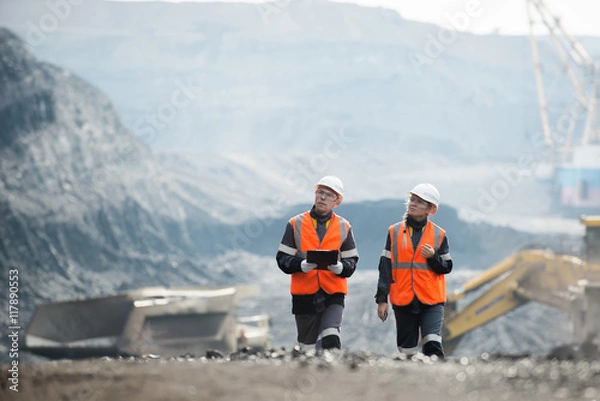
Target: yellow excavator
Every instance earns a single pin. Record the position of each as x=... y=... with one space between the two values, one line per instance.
x=566 y=282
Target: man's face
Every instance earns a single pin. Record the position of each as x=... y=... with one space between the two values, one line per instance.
x=325 y=200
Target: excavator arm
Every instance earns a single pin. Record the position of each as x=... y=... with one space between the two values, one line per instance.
x=530 y=275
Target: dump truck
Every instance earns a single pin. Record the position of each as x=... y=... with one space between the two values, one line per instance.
x=166 y=322
x=567 y=282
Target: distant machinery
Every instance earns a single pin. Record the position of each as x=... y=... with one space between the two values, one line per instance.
x=571 y=127
x=168 y=322
x=565 y=282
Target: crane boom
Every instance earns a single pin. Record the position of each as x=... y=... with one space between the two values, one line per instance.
x=570 y=125
x=539 y=81
x=578 y=52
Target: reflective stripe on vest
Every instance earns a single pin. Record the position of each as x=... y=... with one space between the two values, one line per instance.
x=410 y=272
x=306 y=237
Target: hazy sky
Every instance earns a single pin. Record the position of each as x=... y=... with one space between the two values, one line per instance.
x=579 y=17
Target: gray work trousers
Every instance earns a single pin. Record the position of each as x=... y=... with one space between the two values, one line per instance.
x=322 y=328
x=419 y=321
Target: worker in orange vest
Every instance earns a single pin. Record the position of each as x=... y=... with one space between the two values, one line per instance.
x=318 y=294
x=411 y=274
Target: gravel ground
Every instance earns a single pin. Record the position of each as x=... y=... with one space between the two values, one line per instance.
x=295 y=375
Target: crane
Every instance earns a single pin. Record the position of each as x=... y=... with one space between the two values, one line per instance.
x=571 y=134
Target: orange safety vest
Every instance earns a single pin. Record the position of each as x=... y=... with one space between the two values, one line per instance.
x=410 y=272
x=307 y=239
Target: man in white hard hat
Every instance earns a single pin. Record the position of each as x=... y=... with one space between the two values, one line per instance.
x=318 y=291
x=412 y=267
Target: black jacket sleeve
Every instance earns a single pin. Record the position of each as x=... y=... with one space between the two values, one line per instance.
x=441 y=262
x=349 y=247
x=287 y=263
x=385 y=274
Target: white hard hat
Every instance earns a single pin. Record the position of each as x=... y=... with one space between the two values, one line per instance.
x=334 y=183
x=427 y=192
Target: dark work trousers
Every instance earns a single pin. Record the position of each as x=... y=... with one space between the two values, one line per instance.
x=418 y=321
x=322 y=328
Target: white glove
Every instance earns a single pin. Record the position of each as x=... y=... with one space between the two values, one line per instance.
x=306 y=266
x=337 y=268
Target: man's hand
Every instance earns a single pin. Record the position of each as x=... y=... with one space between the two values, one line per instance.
x=336 y=268
x=306 y=266
x=382 y=311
